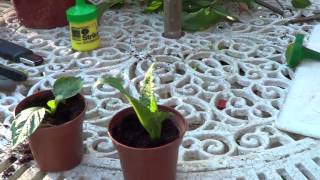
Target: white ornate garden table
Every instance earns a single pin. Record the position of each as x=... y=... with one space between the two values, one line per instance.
x=242 y=63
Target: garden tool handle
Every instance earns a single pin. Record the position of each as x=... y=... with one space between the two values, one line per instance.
x=12 y=74
x=17 y=53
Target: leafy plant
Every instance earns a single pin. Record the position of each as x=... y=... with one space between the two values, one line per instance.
x=201 y=14
x=28 y=120
x=146 y=107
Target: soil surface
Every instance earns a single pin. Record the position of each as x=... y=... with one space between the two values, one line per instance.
x=131 y=133
x=66 y=111
x=22 y=154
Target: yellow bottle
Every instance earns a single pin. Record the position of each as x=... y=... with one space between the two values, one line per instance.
x=83 y=26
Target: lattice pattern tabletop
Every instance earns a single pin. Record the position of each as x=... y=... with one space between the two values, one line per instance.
x=241 y=63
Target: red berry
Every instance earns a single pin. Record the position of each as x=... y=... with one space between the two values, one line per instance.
x=221 y=104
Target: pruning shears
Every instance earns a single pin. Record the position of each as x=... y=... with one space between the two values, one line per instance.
x=8 y=76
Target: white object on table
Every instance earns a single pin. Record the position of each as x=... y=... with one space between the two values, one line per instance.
x=301 y=111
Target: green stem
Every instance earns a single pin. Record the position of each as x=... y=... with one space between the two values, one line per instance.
x=49 y=111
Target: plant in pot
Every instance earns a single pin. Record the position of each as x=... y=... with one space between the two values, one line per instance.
x=44 y=14
x=147 y=136
x=52 y=120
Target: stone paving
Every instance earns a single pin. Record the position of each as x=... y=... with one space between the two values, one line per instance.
x=240 y=63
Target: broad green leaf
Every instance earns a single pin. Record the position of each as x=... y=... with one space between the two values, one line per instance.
x=101 y=8
x=154 y=6
x=221 y=11
x=52 y=104
x=116 y=83
x=249 y=3
x=66 y=87
x=26 y=123
x=104 y=5
x=301 y=3
x=147 y=94
x=193 y=6
x=200 y=20
x=115 y=3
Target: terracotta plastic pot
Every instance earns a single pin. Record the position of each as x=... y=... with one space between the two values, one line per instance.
x=42 y=14
x=157 y=163
x=60 y=147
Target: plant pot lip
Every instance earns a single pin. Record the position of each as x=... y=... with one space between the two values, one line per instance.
x=57 y=126
x=181 y=133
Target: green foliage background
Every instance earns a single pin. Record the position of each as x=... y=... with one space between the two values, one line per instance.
x=201 y=14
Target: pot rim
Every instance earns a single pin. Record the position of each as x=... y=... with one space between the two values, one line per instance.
x=182 y=130
x=56 y=126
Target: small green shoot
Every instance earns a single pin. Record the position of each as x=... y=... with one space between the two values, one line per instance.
x=28 y=120
x=146 y=107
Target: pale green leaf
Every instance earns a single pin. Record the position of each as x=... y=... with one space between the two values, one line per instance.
x=66 y=87
x=147 y=91
x=52 y=104
x=26 y=123
x=154 y=6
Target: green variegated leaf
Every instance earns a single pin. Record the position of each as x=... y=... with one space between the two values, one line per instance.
x=26 y=123
x=221 y=11
x=146 y=108
x=147 y=95
x=66 y=87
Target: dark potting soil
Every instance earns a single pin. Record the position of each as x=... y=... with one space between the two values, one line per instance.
x=131 y=133
x=66 y=111
x=8 y=172
x=23 y=154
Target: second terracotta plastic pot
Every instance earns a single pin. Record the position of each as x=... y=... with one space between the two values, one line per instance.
x=60 y=147
x=43 y=14
x=157 y=163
